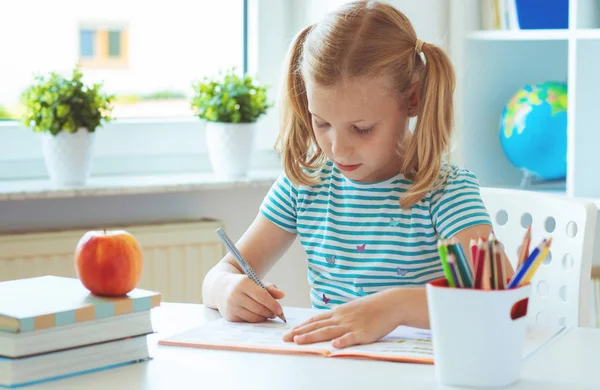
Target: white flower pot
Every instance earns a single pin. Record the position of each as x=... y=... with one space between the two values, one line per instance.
x=230 y=147
x=68 y=156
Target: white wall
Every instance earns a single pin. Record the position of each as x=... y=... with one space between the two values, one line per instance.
x=429 y=17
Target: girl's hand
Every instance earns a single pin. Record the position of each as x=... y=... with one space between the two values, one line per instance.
x=361 y=321
x=245 y=301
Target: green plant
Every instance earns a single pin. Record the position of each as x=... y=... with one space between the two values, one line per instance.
x=230 y=98
x=53 y=103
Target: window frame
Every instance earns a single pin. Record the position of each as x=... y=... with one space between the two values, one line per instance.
x=171 y=145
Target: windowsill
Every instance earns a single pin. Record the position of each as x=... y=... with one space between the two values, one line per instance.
x=132 y=185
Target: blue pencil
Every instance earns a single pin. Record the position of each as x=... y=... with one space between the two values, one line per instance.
x=522 y=271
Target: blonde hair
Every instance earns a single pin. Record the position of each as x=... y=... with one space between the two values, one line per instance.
x=368 y=38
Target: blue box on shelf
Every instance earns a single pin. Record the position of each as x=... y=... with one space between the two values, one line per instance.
x=542 y=14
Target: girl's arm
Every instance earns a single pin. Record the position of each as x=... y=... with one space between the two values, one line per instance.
x=370 y=318
x=229 y=290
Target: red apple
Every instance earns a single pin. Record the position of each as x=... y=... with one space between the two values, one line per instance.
x=108 y=263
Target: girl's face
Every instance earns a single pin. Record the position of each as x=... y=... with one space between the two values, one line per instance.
x=358 y=125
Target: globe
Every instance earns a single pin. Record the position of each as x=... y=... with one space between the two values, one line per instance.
x=533 y=130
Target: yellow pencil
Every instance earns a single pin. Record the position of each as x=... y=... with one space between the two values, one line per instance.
x=536 y=263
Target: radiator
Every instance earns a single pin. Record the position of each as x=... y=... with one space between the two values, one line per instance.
x=177 y=256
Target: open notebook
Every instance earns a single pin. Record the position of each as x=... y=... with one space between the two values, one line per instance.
x=404 y=344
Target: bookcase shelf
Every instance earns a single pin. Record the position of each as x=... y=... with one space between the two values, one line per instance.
x=493 y=64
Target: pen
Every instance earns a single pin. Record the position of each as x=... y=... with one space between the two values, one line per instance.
x=245 y=266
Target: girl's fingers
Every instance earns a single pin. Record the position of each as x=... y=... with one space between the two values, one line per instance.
x=306 y=328
x=322 y=334
x=246 y=315
x=265 y=299
x=257 y=308
x=347 y=340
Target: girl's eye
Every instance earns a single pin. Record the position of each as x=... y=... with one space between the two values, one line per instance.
x=321 y=125
x=363 y=130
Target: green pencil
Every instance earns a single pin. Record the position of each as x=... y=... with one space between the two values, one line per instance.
x=443 y=251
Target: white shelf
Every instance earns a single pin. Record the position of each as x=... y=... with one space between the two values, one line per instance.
x=519 y=35
x=494 y=64
x=587 y=33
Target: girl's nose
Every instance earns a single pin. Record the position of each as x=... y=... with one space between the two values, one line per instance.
x=341 y=145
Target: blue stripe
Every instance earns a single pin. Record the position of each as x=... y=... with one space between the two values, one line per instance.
x=372 y=232
x=329 y=294
x=106 y=309
x=64 y=318
x=282 y=225
x=372 y=241
x=359 y=215
x=314 y=280
x=385 y=260
x=467 y=225
x=286 y=206
x=369 y=251
x=348 y=196
x=449 y=215
x=277 y=213
x=472 y=195
x=397 y=280
x=345 y=187
x=142 y=304
x=360 y=224
x=431 y=268
x=460 y=208
x=27 y=324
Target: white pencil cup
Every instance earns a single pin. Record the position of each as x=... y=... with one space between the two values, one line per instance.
x=478 y=335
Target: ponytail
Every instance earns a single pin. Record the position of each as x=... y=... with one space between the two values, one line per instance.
x=429 y=142
x=296 y=137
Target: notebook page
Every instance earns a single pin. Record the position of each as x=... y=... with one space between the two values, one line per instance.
x=264 y=336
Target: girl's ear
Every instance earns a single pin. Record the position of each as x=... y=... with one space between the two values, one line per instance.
x=413 y=100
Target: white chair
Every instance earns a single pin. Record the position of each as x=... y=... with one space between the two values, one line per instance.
x=561 y=287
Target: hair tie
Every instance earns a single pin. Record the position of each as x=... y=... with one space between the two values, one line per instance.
x=419 y=46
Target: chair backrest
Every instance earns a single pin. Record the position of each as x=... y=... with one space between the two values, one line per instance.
x=561 y=286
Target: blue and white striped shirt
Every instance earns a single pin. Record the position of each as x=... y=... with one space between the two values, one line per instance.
x=358 y=239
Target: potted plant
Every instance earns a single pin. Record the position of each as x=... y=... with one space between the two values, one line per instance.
x=230 y=106
x=67 y=113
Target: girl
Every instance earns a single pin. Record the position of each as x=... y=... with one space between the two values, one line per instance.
x=367 y=197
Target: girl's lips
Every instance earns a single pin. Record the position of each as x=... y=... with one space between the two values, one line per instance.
x=347 y=167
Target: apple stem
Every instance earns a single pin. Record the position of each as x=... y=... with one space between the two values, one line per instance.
x=105 y=231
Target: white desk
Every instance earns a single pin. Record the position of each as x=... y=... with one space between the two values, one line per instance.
x=570 y=362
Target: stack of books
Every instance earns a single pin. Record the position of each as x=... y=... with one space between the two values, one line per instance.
x=52 y=327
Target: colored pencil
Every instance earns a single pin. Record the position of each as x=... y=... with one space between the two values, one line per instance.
x=539 y=259
x=524 y=252
x=521 y=271
x=454 y=270
x=462 y=263
x=443 y=251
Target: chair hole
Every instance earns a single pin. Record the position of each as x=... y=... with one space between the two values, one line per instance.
x=502 y=217
x=567 y=261
x=562 y=321
x=550 y=224
x=542 y=288
x=562 y=293
x=571 y=229
x=526 y=220
x=541 y=318
x=548 y=258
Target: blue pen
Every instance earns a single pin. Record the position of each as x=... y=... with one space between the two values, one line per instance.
x=514 y=282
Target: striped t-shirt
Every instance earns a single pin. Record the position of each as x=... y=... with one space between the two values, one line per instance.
x=357 y=238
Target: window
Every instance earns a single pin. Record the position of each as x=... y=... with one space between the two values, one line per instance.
x=148 y=56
